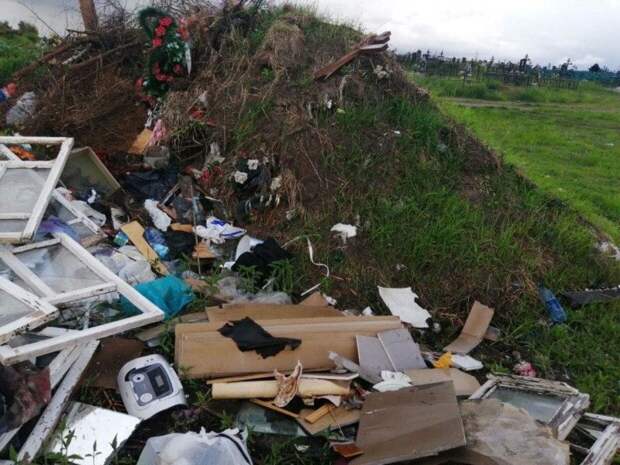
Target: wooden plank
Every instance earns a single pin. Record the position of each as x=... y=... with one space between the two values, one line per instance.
x=319 y=413
x=336 y=419
x=208 y=354
x=269 y=312
x=270 y=406
x=135 y=233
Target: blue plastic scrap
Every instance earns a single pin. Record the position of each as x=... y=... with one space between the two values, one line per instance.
x=170 y=294
x=554 y=308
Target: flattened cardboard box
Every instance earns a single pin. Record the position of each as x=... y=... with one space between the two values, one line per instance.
x=408 y=424
x=473 y=332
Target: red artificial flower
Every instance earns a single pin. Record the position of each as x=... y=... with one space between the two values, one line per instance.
x=157 y=42
x=183 y=33
x=167 y=21
x=160 y=31
x=178 y=69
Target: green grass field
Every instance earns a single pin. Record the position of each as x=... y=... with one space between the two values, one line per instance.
x=566 y=141
x=17 y=49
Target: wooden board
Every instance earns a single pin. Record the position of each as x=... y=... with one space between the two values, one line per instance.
x=135 y=233
x=204 y=353
x=269 y=312
x=337 y=418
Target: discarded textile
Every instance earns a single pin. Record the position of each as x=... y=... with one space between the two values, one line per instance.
x=261 y=257
x=525 y=369
x=249 y=335
x=153 y=184
x=26 y=391
x=170 y=294
x=52 y=225
x=225 y=448
x=592 y=296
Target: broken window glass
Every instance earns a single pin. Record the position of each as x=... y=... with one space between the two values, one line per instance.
x=59 y=269
x=539 y=406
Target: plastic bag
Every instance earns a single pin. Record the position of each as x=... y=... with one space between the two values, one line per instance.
x=22 y=110
x=170 y=294
x=225 y=448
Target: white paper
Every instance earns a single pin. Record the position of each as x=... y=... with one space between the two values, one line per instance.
x=392 y=381
x=466 y=362
x=402 y=303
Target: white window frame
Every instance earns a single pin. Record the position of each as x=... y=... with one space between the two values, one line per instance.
x=566 y=416
x=603 y=451
x=55 y=166
x=56 y=194
x=150 y=313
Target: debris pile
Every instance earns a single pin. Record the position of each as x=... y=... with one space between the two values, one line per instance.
x=128 y=269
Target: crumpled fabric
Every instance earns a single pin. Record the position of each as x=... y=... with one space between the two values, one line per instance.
x=261 y=257
x=26 y=390
x=249 y=335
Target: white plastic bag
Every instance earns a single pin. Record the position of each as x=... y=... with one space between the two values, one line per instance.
x=225 y=448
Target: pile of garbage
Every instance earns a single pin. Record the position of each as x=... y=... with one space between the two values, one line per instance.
x=133 y=294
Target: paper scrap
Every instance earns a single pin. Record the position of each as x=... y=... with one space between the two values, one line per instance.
x=402 y=303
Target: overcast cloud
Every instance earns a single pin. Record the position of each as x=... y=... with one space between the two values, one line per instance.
x=548 y=30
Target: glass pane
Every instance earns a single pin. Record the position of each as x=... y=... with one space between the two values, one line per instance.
x=8 y=274
x=59 y=268
x=11 y=309
x=23 y=187
x=55 y=208
x=541 y=407
x=12 y=226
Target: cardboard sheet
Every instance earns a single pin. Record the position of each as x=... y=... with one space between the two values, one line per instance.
x=409 y=424
x=473 y=332
x=402 y=303
x=113 y=353
x=204 y=352
x=373 y=359
x=269 y=312
x=135 y=233
x=140 y=142
x=401 y=350
x=464 y=385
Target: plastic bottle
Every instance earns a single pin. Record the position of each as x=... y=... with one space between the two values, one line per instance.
x=554 y=308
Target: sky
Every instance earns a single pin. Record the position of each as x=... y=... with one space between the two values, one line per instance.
x=550 y=31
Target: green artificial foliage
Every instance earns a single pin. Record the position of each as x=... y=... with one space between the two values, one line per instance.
x=166 y=60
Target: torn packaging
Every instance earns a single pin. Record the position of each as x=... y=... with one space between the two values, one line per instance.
x=474 y=330
x=408 y=424
x=287 y=386
x=248 y=335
